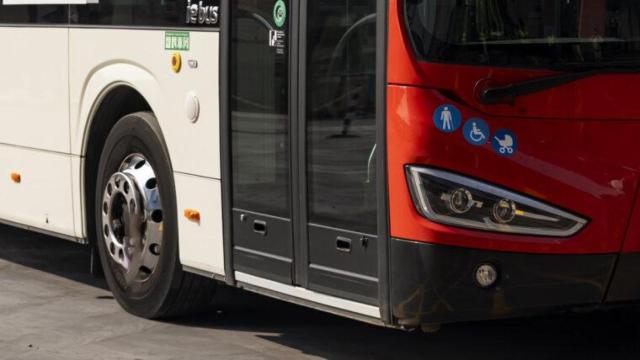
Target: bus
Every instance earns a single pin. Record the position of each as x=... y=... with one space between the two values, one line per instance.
x=406 y=163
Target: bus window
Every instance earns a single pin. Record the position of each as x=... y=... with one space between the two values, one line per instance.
x=260 y=115
x=525 y=33
x=143 y=13
x=341 y=114
x=32 y=14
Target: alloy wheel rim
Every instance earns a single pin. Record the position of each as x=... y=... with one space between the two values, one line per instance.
x=132 y=218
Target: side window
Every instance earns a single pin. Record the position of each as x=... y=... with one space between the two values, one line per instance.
x=171 y=13
x=341 y=121
x=14 y=13
x=259 y=110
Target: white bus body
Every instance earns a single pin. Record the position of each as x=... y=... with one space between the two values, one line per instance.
x=49 y=111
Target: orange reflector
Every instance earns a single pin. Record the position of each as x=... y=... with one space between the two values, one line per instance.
x=16 y=178
x=191 y=214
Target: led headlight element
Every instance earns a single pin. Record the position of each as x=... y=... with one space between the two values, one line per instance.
x=451 y=199
x=460 y=200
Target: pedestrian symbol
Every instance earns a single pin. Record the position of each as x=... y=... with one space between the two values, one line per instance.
x=476 y=131
x=447 y=118
x=505 y=143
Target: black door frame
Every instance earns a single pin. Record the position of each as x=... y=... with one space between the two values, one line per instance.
x=297 y=44
x=297 y=47
x=384 y=293
x=225 y=139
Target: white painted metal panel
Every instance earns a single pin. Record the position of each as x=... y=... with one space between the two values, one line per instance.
x=77 y=192
x=201 y=244
x=34 y=103
x=103 y=58
x=43 y=197
x=100 y=58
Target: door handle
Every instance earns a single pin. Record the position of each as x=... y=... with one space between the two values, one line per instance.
x=343 y=244
x=260 y=227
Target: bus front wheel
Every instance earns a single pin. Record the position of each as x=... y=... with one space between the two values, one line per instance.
x=137 y=229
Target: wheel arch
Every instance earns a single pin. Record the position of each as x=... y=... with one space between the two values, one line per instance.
x=110 y=91
x=116 y=102
x=94 y=96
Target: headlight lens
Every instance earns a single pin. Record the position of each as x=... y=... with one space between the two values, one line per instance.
x=452 y=199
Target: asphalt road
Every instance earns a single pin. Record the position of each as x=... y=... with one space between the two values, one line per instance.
x=50 y=308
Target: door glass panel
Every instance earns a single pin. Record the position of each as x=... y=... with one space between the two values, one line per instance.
x=259 y=109
x=341 y=125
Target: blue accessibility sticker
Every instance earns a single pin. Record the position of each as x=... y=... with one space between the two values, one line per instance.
x=447 y=118
x=476 y=131
x=505 y=142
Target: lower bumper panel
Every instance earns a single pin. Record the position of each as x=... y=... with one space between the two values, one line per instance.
x=625 y=286
x=436 y=284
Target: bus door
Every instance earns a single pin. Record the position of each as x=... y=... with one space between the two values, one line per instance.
x=303 y=143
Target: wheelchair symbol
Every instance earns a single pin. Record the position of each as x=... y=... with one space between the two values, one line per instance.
x=476 y=131
x=476 y=135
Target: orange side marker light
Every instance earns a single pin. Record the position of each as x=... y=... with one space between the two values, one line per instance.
x=192 y=215
x=16 y=177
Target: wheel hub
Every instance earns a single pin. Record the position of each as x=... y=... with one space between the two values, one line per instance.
x=132 y=218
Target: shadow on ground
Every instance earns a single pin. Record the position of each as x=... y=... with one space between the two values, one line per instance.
x=44 y=253
x=600 y=335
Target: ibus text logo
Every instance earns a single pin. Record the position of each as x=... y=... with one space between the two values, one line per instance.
x=202 y=14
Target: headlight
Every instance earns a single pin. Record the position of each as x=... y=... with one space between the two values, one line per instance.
x=451 y=199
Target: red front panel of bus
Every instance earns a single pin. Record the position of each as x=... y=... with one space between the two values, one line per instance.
x=577 y=149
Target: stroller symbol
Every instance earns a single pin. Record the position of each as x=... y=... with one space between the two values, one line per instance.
x=504 y=143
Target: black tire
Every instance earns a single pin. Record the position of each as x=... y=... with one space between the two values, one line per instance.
x=169 y=291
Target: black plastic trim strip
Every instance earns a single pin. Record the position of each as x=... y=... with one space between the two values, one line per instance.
x=110 y=27
x=225 y=143
x=344 y=273
x=143 y=27
x=625 y=282
x=338 y=229
x=86 y=16
x=384 y=292
x=263 y=254
x=297 y=96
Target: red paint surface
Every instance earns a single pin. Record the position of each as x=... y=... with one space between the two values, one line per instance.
x=577 y=149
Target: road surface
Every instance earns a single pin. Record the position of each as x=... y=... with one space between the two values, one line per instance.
x=50 y=308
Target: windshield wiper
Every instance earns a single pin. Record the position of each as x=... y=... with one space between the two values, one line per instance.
x=507 y=93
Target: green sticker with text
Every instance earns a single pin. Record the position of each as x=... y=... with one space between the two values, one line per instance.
x=176 y=40
x=279 y=13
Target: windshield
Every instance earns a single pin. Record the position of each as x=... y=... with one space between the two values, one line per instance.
x=526 y=33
